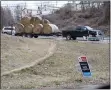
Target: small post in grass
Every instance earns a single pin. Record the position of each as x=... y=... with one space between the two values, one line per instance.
x=86 y=72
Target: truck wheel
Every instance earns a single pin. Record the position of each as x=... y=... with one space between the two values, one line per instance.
x=31 y=36
x=74 y=38
x=68 y=37
x=23 y=35
x=28 y=35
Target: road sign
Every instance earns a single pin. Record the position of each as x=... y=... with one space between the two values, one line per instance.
x=84 y=66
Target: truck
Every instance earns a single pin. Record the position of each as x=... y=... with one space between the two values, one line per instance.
x=81 y=31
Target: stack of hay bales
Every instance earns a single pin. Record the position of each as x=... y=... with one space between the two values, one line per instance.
x=27 y=26
x=36 y=25
x=31 y=24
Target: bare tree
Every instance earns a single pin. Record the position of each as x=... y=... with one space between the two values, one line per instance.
x=82 y=6
x=106 y=12
x=18 y=13
x=1 y=15
x=7 y=17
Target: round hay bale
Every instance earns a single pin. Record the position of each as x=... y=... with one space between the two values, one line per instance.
x=54 y=27
x=29 y=28
x=37 y=28
x=45 y=21
x=50 y=28
x=36 y=20
x=25 y=21
x=47 y=29
x=19 y=28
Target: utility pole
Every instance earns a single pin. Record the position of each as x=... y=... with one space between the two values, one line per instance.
x=41 y=8
x=56 y=3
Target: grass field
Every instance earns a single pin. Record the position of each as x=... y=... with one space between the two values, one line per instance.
x=60 y=71
x=18 y=51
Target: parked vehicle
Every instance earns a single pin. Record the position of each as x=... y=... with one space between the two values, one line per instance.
x=81 y=31
x=99 y=34
x=8 y=30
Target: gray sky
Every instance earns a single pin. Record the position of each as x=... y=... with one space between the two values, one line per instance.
x=31 y=4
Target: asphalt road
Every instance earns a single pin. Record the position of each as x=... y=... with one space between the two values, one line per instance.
x=106 y=39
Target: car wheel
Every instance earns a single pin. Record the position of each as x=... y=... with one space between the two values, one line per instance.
x=13 y=33
x=68 y=37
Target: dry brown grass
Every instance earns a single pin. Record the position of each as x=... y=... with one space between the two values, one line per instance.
x=17 y=51
x=60 y=69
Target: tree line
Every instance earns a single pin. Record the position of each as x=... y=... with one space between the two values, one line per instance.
x=103 y=6
x=6 y=17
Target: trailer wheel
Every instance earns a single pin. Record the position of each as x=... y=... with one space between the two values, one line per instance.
x=68 y=37
x=28 y=35
x=23 y=35
x=35 y=36
x=31 y=36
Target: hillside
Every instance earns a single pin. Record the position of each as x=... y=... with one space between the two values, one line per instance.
x=97 y=18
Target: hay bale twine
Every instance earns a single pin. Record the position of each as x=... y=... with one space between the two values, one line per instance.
x=29 y=28
x=35 y=20
x=19 y=28
x=25 y=21
x=50 y=28
x=37 y=28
